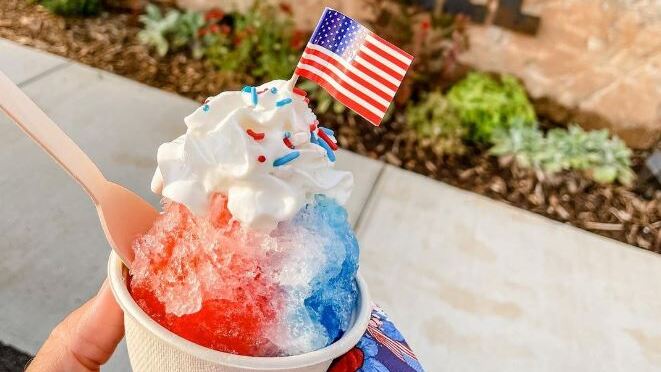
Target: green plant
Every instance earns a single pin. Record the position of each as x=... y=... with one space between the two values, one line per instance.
x=524 y=142
x=262 y=43
x=435 y=122
x=488 y=105
x=72 y=7
x=604 y=159
x=171 y=31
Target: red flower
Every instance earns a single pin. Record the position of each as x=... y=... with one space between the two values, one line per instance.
x=214 y=28
x=296 y=42
x=225 y=29
x=425 y=25
x=286 y=8
x=214 y=14
x=349 y=362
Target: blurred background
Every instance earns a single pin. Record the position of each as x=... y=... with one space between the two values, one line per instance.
x=549 y=106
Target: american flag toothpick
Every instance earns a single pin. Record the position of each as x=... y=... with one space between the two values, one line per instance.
x=354 y=65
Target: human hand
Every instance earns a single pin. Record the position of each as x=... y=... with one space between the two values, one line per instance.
x=85 y=339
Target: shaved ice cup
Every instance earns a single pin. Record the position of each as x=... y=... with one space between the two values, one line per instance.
x=152 y=347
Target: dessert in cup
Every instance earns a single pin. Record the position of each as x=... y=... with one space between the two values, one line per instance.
x=253 y=253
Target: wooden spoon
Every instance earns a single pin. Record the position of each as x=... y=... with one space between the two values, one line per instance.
x=123 y=214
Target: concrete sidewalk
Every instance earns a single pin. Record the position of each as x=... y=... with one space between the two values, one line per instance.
x=473 y=284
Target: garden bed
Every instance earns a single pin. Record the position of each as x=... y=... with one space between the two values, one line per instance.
x=110 y=42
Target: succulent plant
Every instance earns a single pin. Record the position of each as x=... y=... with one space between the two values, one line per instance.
x=171 y=31
x=524 y=142
x=595 y=153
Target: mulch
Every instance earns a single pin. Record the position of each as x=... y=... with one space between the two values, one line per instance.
x=109 y=42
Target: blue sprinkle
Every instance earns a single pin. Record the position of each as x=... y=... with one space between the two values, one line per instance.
x=287 y=134
x=283 y=102
x=205 y=108
x=253 y=91
x=313 y=138
x=329 y=151
x=328 y=131
x=286 y=159
x=274 y=90
x=246 y=89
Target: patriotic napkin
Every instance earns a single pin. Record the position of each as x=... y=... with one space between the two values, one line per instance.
x=381 y=349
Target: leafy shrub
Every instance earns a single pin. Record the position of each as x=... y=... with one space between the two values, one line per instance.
x=261 y=43
x=435 y=122
x=526 y=143
x=171 y=31
x=72 y=7
x=487 y=105
x=602 y=158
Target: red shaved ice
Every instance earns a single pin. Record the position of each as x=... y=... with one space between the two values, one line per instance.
x=197 y=277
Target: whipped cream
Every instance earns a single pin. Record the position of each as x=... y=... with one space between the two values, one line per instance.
x=235 y=144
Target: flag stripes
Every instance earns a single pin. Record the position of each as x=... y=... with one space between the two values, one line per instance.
x=355 y=66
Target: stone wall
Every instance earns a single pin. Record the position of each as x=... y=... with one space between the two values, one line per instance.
x=598 y=60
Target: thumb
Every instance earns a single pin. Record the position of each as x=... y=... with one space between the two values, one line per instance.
x=85 y=339
x=99 y=329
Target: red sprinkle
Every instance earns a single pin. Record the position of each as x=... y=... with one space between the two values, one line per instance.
x=264 y=91
x=300 y=92
x=307 y=100
x=255 y=135
x=313 y=126
x=288 y=143
x=327 y=139
x=261 y=158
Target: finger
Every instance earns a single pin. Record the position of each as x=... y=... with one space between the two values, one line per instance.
x=98 y=331
x=85 y=339
x=54 y=354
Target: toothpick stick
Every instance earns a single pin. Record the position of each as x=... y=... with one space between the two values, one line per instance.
x=292 y=82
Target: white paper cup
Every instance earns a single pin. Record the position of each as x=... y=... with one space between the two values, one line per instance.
x=151 y=347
